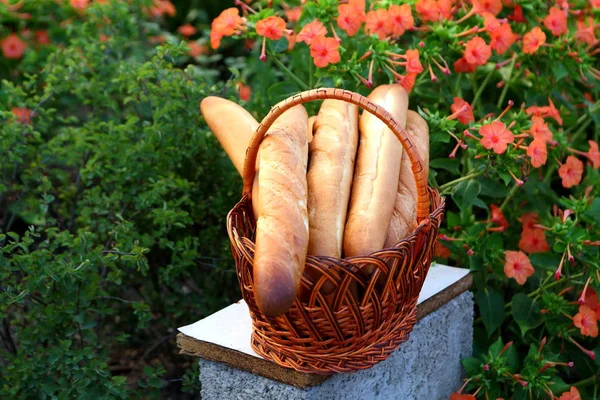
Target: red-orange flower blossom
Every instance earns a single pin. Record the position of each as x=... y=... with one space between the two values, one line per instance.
x=458 y=396
x=13 y=47
x=496 y=136
x=23 y=114
x=586 y=321
x=79 y=4
x=498 y=217
x=585 y=31
x=187 y=30
x=271 y=27
x=462 y=66
x=517 y=266
x=572 y=394
x=571 y=172
x=378 y=23
x=324 y=51
x=464 y=110
x=310 y=31
x=401 y=18
x=477 y=51
x=351 y=16
x=591 y=300
x=502 y=38
x=491 y=6
x=427 y=10
x=538 y=152
x=593 y=154
x=533 y=40
x=540 y=130
x=227 y=23
x=556 y=21
x=533 y=241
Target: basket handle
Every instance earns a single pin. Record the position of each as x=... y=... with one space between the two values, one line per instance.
x=351 y=97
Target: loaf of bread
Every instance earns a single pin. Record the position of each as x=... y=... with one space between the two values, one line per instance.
x=232 y=125
x=404 y=215
x=376 y=174
x=282 y=225
x=332 y=153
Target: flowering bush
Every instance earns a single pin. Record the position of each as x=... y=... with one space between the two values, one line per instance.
x=510 y=91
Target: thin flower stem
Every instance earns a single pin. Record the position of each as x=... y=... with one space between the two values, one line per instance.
x=505 y=88
x=285 y=69
x=587 y=381
x=463 y=178
x=482 y=87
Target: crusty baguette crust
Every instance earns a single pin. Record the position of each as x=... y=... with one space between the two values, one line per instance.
x=376 y=174
x=330 y=170
x=282 y=225
x=232 y=125
x=404 y=216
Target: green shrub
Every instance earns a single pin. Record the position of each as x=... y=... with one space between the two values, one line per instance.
x=112 y=206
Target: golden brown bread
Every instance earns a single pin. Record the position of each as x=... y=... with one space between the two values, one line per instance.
x=232 y=125
x=376 y=174
x=330 y=170
x=404 y=215
x=282 y=225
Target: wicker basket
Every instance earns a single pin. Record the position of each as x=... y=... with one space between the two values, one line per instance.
x=340 y=333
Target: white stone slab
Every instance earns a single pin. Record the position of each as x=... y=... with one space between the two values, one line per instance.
x=231 y=327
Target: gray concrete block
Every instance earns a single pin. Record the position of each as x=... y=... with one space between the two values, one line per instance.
x=427 y=366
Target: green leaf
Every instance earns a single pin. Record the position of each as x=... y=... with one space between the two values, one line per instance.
x=526 y=312
x=512 y=359
x=559 y=70
x=279 y=46
x=472 y=366
x=493 y=188
x=449 y=164
x=593 y=212
x=282 y=90
x=465 y=193
x=491 y=308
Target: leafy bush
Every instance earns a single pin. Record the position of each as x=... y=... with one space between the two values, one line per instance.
x=510 y=91
x=112 y=202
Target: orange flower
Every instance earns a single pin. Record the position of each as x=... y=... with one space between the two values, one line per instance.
x=586 y=321
x=440 y=250
x=533 y=40
x=502 y=38
x=490 y=22
x=445 y=8
x=227 y=23
x=498 y=217
x=591 y=300
x=310 y=31
x=187 y=30
x=477 y=51
x=465 y=116
x=163 y=7
x=401 y=18
x=271 y=27
x=517 y=15
x=593 y=154
x=540 y=130
x=13 y=47
x=412 y=61
x=244 y=91
x=572 y=394
x=533 y=241
x=324 y=51
x=427 y=10
x=378 y=23
x=196 y=49
x=462 y=66
x=545 y=111
x=350 y=18
x=293 y=14
x=556 y=21
x=79 y=4
x=585 y=31
x=517 y=266
x=408 y=81
x=42 y=37
x=496 y=137
x=571 y=172
x=458 y=396
x=529 y=220
x=492 y=6
x=23 y=114
x=538 y=152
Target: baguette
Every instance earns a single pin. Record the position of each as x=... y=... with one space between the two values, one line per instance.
x=232 y=125
x=376 y=174
x=282 y=225
x=332 y=154
x=404 y=216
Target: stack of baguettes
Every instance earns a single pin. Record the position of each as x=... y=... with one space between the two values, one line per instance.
x=336 y=184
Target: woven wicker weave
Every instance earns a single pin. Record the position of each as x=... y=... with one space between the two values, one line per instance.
x=340 y=333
